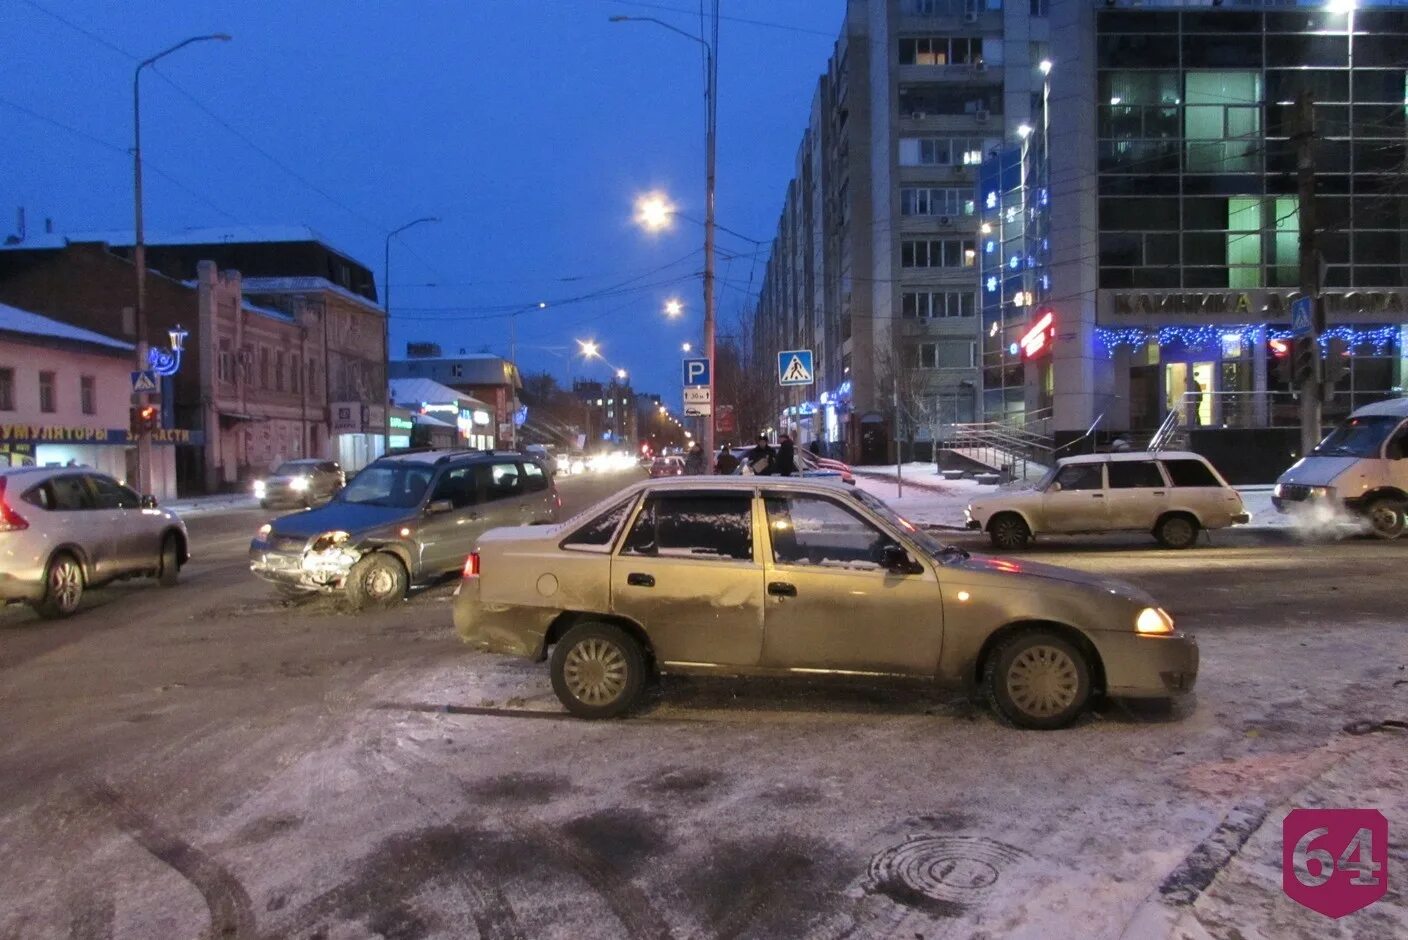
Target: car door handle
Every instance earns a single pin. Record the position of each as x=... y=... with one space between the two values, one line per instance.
x=782 y=589
x=638 y=579
x=1097 y=495
x=1160 y=493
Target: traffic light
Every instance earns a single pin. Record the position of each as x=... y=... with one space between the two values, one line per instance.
x=144 y=419
x=1306 y=360
x=1336 y=361
x=1281 y=353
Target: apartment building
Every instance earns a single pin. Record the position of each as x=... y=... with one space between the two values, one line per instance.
x=875 y=261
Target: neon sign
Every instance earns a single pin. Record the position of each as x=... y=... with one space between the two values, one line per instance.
x=1039 y=336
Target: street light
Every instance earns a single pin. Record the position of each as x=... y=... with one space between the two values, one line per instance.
x=386 y=321
x=686 y=347
x=673 y=307
x=711 y=84
x=621 y=374
x=139 y=247
x=654 y=211
x=589 y=348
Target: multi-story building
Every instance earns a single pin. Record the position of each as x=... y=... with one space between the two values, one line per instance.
x=874 y=265
x=1175 y=214
x=484 y=376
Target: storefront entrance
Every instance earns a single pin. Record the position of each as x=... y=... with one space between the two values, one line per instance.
x=1192 y=399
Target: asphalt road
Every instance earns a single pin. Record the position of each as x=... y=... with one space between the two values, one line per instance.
x=209 y=760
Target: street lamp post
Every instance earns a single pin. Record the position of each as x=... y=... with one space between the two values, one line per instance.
x=139 y=248
x=386 y=327
x=711 y=115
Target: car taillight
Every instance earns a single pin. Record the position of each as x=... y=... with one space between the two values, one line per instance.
x=10 y=521
x=557 y=500
x=471 y=565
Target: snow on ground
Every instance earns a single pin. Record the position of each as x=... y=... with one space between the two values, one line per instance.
x=221 y=502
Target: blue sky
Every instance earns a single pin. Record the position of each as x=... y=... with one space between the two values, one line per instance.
x=529 y=128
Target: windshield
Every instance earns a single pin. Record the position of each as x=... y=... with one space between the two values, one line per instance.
x=293 y=468
x=1357 y=437
x=923 y=539
x=399 y=485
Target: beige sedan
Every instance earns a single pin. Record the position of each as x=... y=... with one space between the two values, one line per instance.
x=774 y=577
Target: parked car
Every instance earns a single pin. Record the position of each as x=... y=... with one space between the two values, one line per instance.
x=1361 y=466
x=544 y=454
x=66 y=529
x=811 y=461
x=300 y=483
x=666 y=467
x=1172 y=495
x=403 y=520
x=779 y=576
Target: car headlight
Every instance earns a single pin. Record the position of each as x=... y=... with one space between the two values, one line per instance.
x=329 y=540
x=1322 y=492
x=1153 y=620
x=264 y=530
x=260 y=488
x=1276 y=491
x=298 y=484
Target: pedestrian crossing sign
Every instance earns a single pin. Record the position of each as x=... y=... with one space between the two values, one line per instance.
x=794 y=367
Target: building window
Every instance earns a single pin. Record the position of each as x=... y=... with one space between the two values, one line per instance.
x=928 y=201
x=956 y=354
x=7 y=389
x=920 y=101
x=313 y=376
x=87 y=394
x=225 y=362
x=925 y=305
x=295 y=375
x=1222 y=121
x=264 y=367
x=944 y=151
x=938 y=253
x=279 y=370
x=46 y=393
x=941 y=50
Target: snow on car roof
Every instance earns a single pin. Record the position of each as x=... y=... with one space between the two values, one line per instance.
x=1131 y=455
x=1394 y=407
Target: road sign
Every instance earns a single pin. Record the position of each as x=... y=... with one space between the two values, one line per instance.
x=1302 y=316
x=723 y=421
x=696 y=372
x=696 y=395
x=698 y=411
x=794 y=367
x=144 y=381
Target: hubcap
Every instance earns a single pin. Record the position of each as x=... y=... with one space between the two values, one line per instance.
x=595 y=671
x=1178 y=531
x=1009 y=533
x=379 y=582
x=1043 y=681
x=1385 y=519
x=66 y=585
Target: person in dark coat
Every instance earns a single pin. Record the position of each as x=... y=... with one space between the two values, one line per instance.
x=727 y=463
x=786 y=465
x=761 y=458
x=694 y=463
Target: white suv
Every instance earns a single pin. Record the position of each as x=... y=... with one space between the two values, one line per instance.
x=1171 y=495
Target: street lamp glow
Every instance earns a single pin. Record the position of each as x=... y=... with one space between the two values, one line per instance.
x=687 y=434
x=653 y=211
x=589 y=348
x=621 y=374
x=1045 y=66
x=542 y=304
x=1024 y=131
x=673 y=307
x=686 y=347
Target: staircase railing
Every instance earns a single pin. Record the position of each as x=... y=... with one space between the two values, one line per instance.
x=1012 y=449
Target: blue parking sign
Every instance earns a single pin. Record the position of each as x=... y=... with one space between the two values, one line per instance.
x=696 y=372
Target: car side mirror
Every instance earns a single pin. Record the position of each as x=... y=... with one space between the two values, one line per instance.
x=896 y=560
x=147 y=502
x=437 y=506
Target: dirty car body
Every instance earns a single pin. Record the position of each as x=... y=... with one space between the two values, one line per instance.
x=749 y=576
x=421 y=510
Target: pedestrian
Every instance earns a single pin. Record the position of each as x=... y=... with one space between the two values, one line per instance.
x=786 y=458
x=694 y=463
x=727 y=463
x=761 y=458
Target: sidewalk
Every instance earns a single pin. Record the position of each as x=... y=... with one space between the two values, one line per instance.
x=221 y=502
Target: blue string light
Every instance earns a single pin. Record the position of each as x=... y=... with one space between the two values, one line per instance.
x=1381 y=338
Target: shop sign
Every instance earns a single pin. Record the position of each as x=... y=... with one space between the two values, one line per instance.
x=375 y=417
x=482 y=417
x=347 y=417
x=1273 y=305
x=59 y=434
x=399 y=423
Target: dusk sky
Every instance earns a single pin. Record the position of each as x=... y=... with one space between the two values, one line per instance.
x=528 y=127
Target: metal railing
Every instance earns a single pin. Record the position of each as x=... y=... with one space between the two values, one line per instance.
x=1014 y=451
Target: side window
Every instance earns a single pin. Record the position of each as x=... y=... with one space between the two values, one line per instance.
x=598 y=533
x=505 y=480
x=1397 y=448
x=1134 y=474
x=1079 y=476
x=113 y=495
x=694 y=525
x=457 y=484
x=807 y=530
x=534 y=480
x=69 y=493
x=1190 y=473
x=39 y=496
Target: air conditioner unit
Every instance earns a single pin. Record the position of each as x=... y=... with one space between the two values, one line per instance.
x=982 y=117
x=980 y=66
x=970 y=17
x=945 y=220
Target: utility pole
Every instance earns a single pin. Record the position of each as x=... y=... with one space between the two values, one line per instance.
x=1309 y=377
x=711 y=63
x=386 y=331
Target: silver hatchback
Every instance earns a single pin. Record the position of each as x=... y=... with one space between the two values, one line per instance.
x=65 y=529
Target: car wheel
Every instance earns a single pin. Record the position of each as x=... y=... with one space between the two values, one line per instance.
x=1177 y=531
x=378 y=580
x=1037 y=679
x=1009 y=532
x=598 y=670
x=63 y=587
x=170 y=569
x=1385 y=519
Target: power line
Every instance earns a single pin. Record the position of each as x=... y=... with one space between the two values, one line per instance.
x=769 y=24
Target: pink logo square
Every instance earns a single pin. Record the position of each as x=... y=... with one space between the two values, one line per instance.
x=1334 y=861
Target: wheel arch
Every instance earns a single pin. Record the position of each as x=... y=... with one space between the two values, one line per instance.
x=1383 y=492
x=570 y=618
x=76 y=550
x=1073 y=635
x=1191 y=515
x=183 y=545
x=1010 y=511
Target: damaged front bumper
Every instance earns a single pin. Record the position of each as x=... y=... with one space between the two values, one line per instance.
x=307 y=568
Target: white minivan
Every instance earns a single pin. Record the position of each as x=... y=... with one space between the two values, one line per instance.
x=1362 y=465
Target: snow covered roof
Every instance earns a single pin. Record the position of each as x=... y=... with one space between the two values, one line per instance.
x=268 y=312
x=15 y=320
x=304 y=284
x=410 y=393
x=205 y=235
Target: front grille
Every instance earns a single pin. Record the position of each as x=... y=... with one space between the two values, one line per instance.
x=288 y=543
x=1295 y=491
